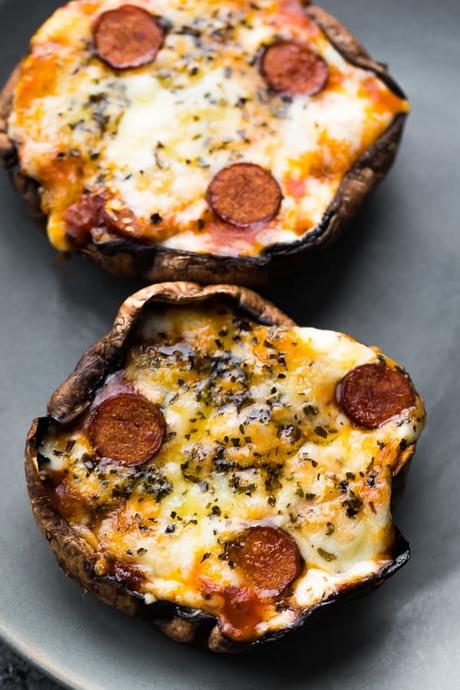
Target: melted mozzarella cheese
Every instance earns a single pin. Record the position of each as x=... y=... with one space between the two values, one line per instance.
x=154 y=137
x=254 y=437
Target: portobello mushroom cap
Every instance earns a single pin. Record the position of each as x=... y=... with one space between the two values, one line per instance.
x=126 y=257
x=73 y=398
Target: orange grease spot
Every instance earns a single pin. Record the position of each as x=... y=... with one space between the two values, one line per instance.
x=335 y=80
x=38 y=79
x=63 y=182
x=89 y=8
x=383 y=99
x=329 y=160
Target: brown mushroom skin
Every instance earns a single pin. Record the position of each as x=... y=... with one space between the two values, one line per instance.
x=153 y=263
x=71 y=399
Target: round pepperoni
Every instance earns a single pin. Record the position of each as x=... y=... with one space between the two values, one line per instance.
x=268 y=557
x=243 y=194
x=294 y=69
x=127 y=37
x=371 y=394
x=127 y=428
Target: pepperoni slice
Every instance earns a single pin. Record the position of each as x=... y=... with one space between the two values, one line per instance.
x=268 y=557
x=127 y=37
x=127 y=428
x=120 y=221
x=294 y=69
x=82 y=217
x=243 y=194
x=92 y=212
x=371 y=394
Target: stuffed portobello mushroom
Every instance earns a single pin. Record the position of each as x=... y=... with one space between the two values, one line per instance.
x=200 y=140
x=216 y=468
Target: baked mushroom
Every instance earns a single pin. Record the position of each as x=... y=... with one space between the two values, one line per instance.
x=216 y=468
x=190 y=141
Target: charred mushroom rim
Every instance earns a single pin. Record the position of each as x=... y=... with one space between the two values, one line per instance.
x=74 y=398
x=154 y=262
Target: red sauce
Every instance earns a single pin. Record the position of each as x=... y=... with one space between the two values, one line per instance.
x=294 y=11
x=226 y=238
x=295 y=187
x=241 y=610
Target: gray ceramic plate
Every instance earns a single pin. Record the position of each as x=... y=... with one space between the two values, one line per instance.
x=393 y=280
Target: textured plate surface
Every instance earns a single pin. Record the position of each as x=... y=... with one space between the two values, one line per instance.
x=394 y=280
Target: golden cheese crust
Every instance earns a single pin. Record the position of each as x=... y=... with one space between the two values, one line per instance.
x=258 y=457
x=131 y=153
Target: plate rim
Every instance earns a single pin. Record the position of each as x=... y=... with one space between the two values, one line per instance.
x=39 y=663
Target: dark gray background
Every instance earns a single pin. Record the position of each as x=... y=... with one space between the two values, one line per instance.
x=392 y=280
